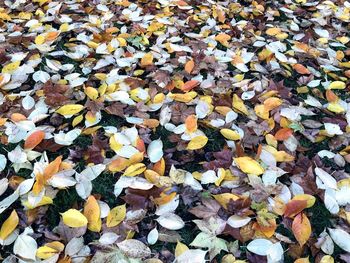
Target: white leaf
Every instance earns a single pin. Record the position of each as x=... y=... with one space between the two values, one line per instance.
x=327 y=245
x=330 y=201
x=108 y=238
x=4 y=183
x=168 y=207
x=62 y=179
x=192 y=256
x=209 y=177
x=190 y=181
x=25 y=246
x=83 y=187
x=326 y=178
x=155 y=150
x=5 y=203
x=333 y=129
x=104 y=209
x=28 y=102
x=41 y=76
x=238 y=221
x=341 y=238
x=67 y=138
x=25 y=186
x=134 y=248
x=74 y=246
x=10 y=239
x=322 y=32
x=259 y=246
x=152 y=236
x=275 y=253
x=92 y=172
x=3 y=162
x=171 y=221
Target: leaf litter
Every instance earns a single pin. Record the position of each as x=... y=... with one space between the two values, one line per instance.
x=174 y=131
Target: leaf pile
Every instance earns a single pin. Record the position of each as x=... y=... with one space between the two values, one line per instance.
x=174 y=131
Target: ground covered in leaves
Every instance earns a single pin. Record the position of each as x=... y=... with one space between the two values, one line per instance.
x=174 y=131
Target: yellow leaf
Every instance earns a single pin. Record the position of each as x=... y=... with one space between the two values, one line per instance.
x=39 y=40
x=92 y=212
x=249 y=165
x=64 y=27
x=337 y=85
x=273 y=31
x=271 y=140
x=9 y=225
x=122 y=41
x=301 y=228
x=9 y=68
x=70 y=109
x=115 y=145
x=180 y=248
x=45 y=252
x=272 y=103
x=187 y=97
x=77 y=120
x=223 y=39
x=282 y=156
x=135 y=169
x=262 y=111
x=302 y=260
x=44 y=201
x=116 y=215
x=230 y=134
x=308 y=198
x=238 y=104
x=147 y=60
x=91 y=92
x=327 y=259
x=335 y=107
x=197 y=142
x=224 y=198
x=73 y=218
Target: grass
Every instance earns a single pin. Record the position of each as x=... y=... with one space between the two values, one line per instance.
x=64 y=200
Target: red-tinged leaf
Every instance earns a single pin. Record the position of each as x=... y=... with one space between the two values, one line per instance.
x=301 y=228
x=295 y=207
x=189 y=66
x=52 y=168
x=283 y=134
x=189 y=85
x=34 y=139
x=301 y=69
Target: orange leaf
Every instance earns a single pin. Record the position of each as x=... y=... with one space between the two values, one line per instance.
x=268 y=230
x=140 y=145
x=191 y=123
x=301 y=69
x=283 y=134
x=151 y=123
x=52 y=168
x=301 y=228
x=18 y=117
x=189 y=66
x=34 y=139
x=331 y=96
x=52 y=35
x=295 y=207
x=39 y=183
x=159 y=167
x=118 y=164
x=189 y=85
